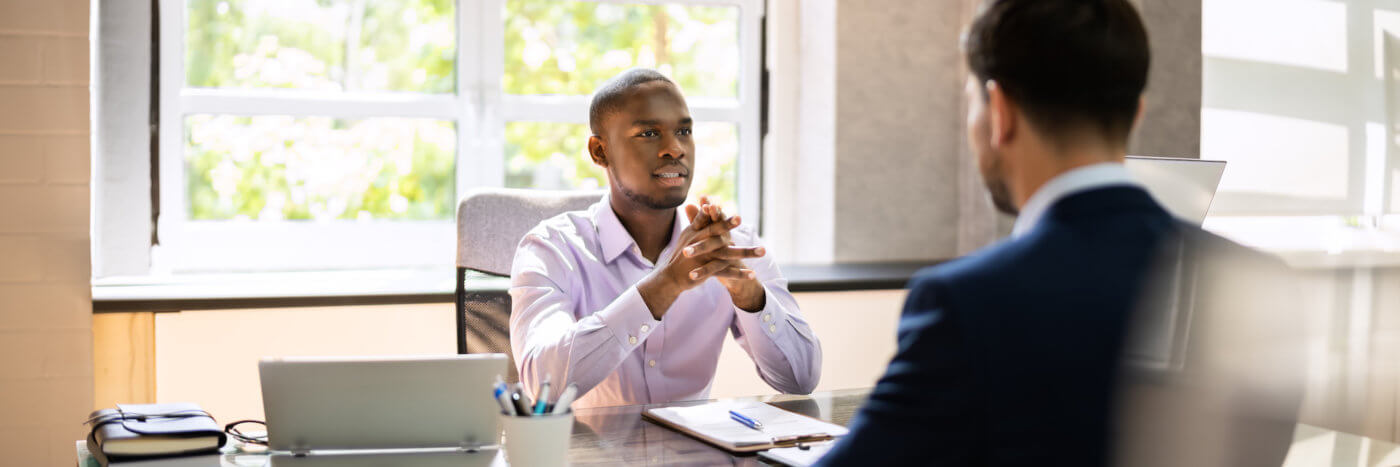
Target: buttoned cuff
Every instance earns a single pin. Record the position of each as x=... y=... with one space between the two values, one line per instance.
x=629 y=319
x=769 y=318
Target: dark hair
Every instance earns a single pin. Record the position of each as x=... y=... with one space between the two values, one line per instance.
x=612 y=93
x=1067 y=63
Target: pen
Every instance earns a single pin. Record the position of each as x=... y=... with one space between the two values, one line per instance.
x=521 y=401
x=748 y=422
x=542 y=397
x=565 y=398
x=503 y=398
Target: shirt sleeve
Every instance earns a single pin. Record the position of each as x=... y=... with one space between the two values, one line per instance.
x=777 y=337
x=551 y=337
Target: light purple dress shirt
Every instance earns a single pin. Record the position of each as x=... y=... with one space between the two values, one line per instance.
x=577 y=317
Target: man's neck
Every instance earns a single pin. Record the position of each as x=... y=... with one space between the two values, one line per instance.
x=649 y=228
x=1039 y=169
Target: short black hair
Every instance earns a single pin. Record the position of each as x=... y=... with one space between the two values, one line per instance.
x=1068 y=64
x=612 y=93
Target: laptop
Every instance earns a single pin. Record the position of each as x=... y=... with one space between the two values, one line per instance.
x=1185 y=187
x=395 y=402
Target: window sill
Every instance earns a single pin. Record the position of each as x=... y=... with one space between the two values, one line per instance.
x=1319 y=242
x=402 y=286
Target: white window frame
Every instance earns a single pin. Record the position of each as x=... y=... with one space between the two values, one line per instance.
x=480 y=109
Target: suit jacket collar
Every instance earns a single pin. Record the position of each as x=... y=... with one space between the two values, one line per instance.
x=1104 y=201
x=1074 y=181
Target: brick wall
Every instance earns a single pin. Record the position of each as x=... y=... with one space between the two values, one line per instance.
x=45 y=297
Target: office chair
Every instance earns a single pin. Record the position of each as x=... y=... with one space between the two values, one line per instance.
x=490 y=223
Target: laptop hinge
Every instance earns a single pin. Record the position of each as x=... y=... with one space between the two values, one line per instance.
x=473 y=446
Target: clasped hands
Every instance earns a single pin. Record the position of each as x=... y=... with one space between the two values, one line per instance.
x=705 y=251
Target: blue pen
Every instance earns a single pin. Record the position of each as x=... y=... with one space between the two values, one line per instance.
x=748 y=422
x=543 y=397
x=502 y=394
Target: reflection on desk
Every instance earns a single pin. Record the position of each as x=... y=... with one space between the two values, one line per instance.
x=619 y=436
x=602 y=436
x=454 y=458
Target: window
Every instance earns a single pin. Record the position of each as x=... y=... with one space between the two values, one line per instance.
x=1297 y=104
x=321 y=134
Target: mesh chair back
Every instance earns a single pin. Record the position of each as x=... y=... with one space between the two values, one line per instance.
x=490 y=224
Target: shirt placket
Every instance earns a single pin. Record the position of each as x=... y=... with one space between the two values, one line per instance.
x=651 y=380
x=651 y=349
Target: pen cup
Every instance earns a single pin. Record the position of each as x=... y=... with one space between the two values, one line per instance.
x=538 y=441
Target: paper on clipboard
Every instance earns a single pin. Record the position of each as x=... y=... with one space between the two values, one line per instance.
x=798 y=456
x=711 y=422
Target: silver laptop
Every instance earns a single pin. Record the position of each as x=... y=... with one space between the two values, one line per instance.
x=1185 y=187
x=341 y=403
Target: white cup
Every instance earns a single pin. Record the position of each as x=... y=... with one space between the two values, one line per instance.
x=541 y=441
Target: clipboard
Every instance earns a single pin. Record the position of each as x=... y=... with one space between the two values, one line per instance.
x=710 y=423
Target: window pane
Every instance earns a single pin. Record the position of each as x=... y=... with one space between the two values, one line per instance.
x=570 y=47
x=317 y=168
x=329 y=45
x=554 y=156
x=550 y=156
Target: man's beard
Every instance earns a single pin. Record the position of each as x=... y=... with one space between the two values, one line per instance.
x=995 y=180
x=650 y=202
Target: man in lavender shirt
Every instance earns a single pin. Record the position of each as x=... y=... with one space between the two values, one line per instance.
x=630 y=299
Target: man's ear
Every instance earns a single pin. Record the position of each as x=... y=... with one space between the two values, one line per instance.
x=1002 y=115
x=595 y=151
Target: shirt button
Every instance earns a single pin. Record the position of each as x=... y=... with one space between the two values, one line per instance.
x=772 y=328
x=632 y=340
x=767 y=317
x=652 y=363
x=646 y=328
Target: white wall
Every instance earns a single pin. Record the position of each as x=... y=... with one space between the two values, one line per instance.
x=45 y=300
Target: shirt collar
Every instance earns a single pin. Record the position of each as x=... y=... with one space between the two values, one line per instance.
x=1076 y=180
x=614 y=238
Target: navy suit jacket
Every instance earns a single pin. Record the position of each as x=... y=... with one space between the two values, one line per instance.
x=1009 y=356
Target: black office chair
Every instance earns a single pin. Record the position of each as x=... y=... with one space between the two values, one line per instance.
x=490 y=223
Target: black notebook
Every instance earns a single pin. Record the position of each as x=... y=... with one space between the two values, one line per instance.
x=146 y=431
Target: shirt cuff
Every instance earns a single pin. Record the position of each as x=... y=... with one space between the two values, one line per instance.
x=629 y=319
x=766 y=318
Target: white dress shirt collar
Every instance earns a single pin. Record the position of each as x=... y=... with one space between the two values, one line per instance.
x=1081 y=179
x=613 y=235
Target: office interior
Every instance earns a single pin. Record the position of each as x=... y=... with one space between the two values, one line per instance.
x=843 y=119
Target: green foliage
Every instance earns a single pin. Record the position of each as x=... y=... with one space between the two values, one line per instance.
x=354 y=45
x=550 y=156
x=277 y=167
x=571 y=47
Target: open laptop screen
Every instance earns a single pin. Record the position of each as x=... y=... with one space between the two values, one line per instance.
x=1185 y=187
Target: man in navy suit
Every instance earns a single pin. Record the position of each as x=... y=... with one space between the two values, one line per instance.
x=1011 y=355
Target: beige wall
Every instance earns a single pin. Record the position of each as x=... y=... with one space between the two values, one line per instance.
x=898 y=129
x=211 y=357
x=45 y=298
x=904 y=187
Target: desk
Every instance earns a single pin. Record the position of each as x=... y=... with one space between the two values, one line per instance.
x=619 y=436
x=613 y=435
